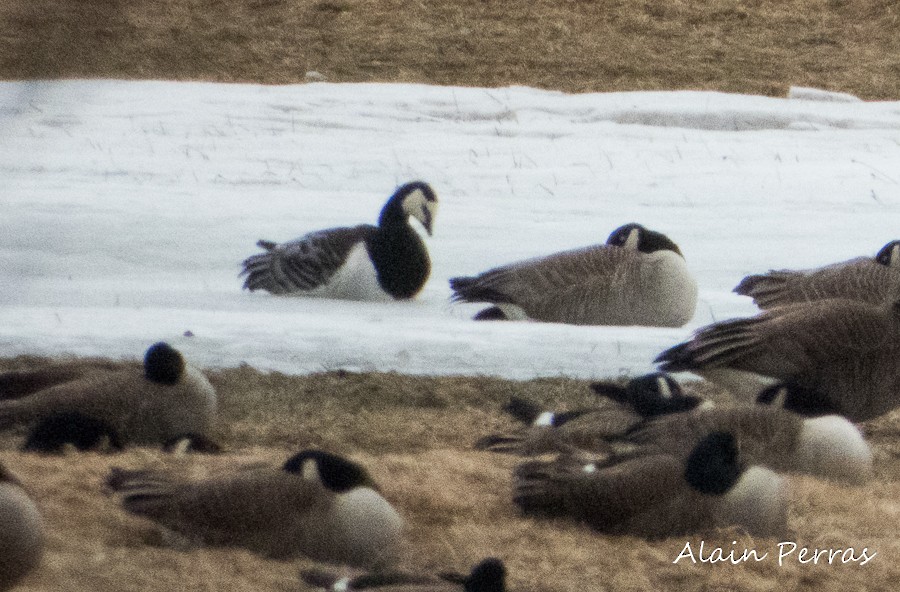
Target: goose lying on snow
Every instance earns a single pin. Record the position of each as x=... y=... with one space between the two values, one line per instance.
x=658 y=495
x=872 y=280
x=840 y=352
x=167 y=398
x=21 y=531
x=638 y=277
x=365 y=262
x=317 y=504
x=488 y=576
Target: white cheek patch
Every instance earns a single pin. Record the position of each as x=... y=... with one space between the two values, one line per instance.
x=589 y=468
x=341 y=585
x=662 y=386
x=545 y=419
x=634 y=237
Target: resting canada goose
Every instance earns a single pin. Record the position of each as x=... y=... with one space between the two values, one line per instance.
x=590 y=428
x=164 y=399
x=488 y=576
x=842 y=351
x=21 y=531
x=365 y=262
x=657 y=495
x=638 y=277
x=650 y=395
x=869 y=279
x=317 y=504
x=53 y=432
x=830 y=446
x=547 y=431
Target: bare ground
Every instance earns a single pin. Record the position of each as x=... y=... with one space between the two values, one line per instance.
x=749 y=46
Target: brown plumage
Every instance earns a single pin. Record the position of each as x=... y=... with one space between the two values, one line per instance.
x=165 y=399
x=829 y=447
x=21 y=531
x=842 y=351
x=638 y=277
x=870 y=279
x=657 y=495
x=318 y=505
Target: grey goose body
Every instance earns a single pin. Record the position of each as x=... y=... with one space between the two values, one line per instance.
x=152 y=404
x=657 y=495
x=841 y=352
x=639 y=277
x=317 y=505
x=365 y=262
x=871 y=279
x=489 y=575
x=22 y=532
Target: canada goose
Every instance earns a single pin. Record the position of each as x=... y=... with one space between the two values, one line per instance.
x=365 y=262
x=58 y=431
x=591 y=428
x=869 y=279
x=657 y=495
x=166 y=398
x=19 y=383
x=53 y=432
x=489 y=575
x=317 y=504
x=21 y=531
x=638 y=277
x=547 y=431
x=843 y=351
x=650 y=395
x=829 y=446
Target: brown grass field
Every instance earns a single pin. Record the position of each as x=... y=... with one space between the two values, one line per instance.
x=415 y=433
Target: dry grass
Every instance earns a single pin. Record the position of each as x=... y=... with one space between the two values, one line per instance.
x=750 y=46
x=415 y=434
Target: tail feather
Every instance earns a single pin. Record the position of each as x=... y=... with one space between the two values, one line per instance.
x=472 y=289
x=141 y=490
x=765 y=289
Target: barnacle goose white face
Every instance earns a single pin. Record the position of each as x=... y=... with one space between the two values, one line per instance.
x=421 y=203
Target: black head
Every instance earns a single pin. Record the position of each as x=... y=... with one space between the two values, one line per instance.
x=800 y=400
x=658 y=394
x=487 y=576
x=889 y=254
x=713 y=466
x=636 y=237
x=53 y=432
x=416 y=199
x=163 y=364
x=335 y=472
